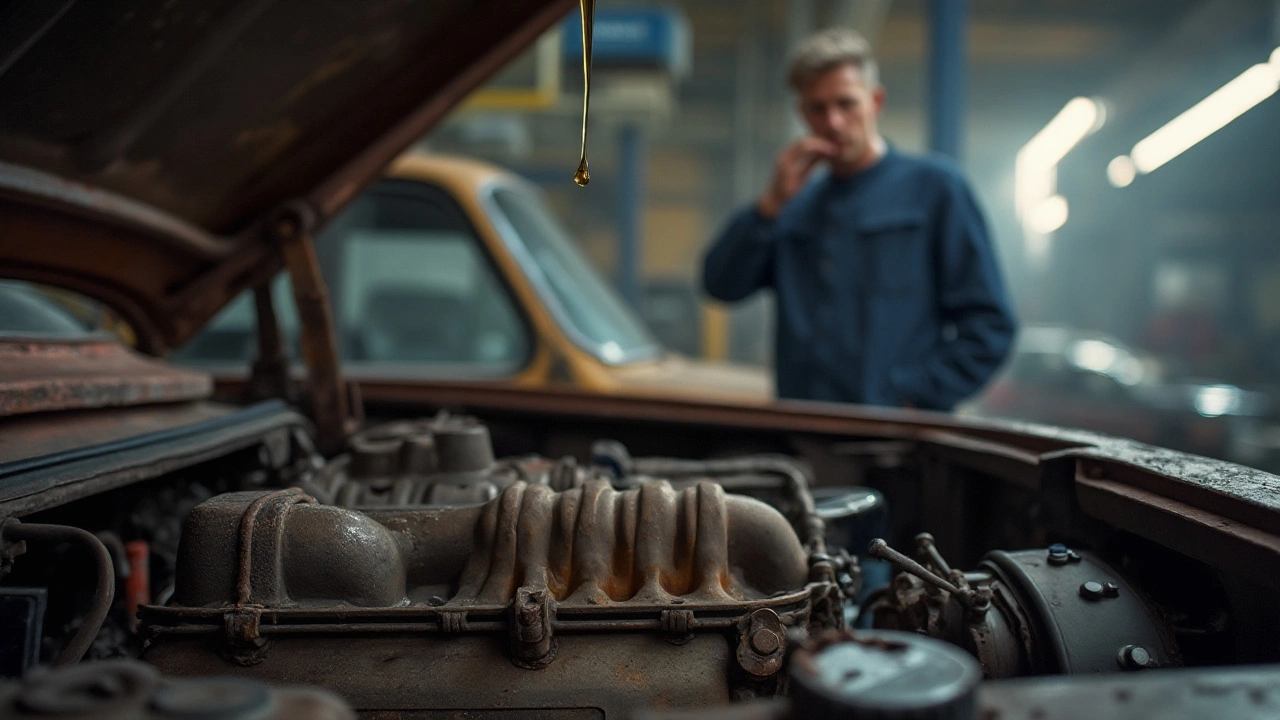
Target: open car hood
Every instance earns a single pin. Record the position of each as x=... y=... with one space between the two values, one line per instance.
x=144 y=146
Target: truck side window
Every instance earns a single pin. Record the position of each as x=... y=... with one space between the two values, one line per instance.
x=412 y=288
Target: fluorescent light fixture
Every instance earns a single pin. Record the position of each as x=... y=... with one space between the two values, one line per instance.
x=1049 y=215
x=1121 y=171
x=1208 y=116
x=1036 y=200
x=1079 y=117
x=1037 y=161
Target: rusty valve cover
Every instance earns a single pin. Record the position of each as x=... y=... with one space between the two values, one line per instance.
x=557 y=582
x=590 y=546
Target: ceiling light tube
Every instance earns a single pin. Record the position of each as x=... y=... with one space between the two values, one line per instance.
x=1207 y=116
x=1035 y=172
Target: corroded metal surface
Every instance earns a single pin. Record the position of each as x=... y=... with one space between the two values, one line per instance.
x=45 y=376
x=592 y=546
x=130 y=690
x=50 y=459
x=590 y=598
x=129 y=169
x=594 y=675
x=1245 y=499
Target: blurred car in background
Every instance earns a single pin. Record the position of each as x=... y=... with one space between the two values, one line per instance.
x=1078 y=378
x=451 y=268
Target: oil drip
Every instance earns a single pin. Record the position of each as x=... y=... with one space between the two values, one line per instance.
x=588 y=9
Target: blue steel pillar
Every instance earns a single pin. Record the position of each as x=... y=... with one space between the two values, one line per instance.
x=947 y=69
x=631 y=162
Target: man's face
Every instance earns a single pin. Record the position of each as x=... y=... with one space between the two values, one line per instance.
x=839 y=107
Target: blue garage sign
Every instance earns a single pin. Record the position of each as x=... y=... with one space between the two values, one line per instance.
x=636 y=38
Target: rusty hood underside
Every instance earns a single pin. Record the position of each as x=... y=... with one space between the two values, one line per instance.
x=145 y=145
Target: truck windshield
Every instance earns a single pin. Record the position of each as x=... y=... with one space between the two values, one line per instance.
x=583 y=303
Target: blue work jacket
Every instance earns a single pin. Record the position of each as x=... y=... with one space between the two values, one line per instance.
x=887 y=287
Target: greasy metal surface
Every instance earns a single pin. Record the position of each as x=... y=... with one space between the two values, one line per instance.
x=48 y=460
x=1241 y=693
x=1074 y=632
x=1251 y=549
x=611 y=674
x=797 y=483
x=131 y=690
x=1249 y=499
x=42 y=376
x=104 y=587
x=116 y=161
x=982 y=617
x=588 y=547
x=37 y=436
x=590 y=598
x=445 y=460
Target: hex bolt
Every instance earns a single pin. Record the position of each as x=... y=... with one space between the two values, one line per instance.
x=1092 y=590
x=1060 y=554
x=1110 y=590
x=765 y=641
x=1134 y=657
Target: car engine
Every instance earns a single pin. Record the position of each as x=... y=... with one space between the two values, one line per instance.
x=401 y=573
x=417 y=573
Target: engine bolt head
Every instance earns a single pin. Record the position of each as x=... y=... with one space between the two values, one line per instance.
x=765 y=641
x=1134 y=657
x=1092 y=590
x=1060 y=554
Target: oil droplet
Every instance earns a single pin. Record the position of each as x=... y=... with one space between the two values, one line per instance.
x=588 y=9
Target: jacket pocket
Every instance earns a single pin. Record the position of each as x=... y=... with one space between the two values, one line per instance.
x=897 y=251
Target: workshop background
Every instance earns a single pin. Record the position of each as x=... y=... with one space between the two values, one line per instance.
x=1142 y=253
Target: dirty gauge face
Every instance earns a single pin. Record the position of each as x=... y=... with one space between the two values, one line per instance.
x=588 y=9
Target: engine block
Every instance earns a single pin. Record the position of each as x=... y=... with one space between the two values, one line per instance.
x=564 y=593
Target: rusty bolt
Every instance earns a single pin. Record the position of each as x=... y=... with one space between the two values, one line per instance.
x=1134 y=657
x=765 y=641
x=530 y=615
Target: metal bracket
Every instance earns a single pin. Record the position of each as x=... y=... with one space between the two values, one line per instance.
x=291 y=230
x=533 y=643
x=453 y=621
x=762 y=643
x=826 y=605
x=678 y=626
x=269 y=376
x=245 y=646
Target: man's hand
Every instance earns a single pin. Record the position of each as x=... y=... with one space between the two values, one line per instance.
x=794 y=164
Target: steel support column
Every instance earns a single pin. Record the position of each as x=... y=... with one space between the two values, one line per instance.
x=631 y=182
x=947 y=70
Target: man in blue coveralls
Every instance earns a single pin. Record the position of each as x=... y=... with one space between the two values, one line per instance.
x=888 y=291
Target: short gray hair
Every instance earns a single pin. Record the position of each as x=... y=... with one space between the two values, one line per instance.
x=831 y=48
